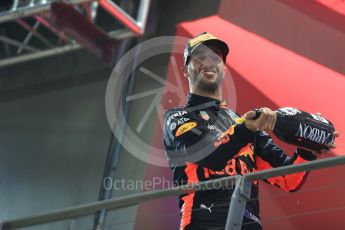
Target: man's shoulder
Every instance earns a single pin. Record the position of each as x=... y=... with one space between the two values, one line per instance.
x=171 y=117
x=175 y=112
x=176 y=117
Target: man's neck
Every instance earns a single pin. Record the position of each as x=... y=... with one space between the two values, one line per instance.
x=216 y=94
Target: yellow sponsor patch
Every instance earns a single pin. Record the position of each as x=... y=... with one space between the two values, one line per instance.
x=185 y=128
x=239 y=119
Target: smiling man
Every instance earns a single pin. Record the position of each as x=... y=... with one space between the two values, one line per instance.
x=205 y=140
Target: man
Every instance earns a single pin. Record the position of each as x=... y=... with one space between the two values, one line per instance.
x=205 y=140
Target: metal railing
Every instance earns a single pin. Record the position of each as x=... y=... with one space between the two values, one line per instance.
x=40 y=12
x=238 y=200
x=30 y=9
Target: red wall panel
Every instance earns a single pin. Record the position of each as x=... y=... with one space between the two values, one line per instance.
x=266 y=74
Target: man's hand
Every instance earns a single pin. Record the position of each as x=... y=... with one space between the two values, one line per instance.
x=266 y=121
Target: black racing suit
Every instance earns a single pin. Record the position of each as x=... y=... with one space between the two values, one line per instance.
x=205 y=140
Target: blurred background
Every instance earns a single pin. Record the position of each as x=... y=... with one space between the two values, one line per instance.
x=57 y=148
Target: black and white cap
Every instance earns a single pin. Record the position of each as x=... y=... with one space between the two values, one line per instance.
x=204 y=38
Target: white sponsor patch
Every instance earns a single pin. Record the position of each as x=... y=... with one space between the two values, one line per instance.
x=312 y=133
x=173 y=126
x=179 y=122
x=174 y=115
x=182 y=120
x=211 y=127
x=250 y=215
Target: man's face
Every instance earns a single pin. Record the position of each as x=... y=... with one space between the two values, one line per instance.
x=206 y=68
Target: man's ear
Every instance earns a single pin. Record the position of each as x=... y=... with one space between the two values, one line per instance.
x=184 y=70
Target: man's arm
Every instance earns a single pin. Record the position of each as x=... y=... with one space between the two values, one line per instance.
x=270 y=155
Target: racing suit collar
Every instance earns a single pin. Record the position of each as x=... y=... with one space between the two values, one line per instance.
x=194 y=100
